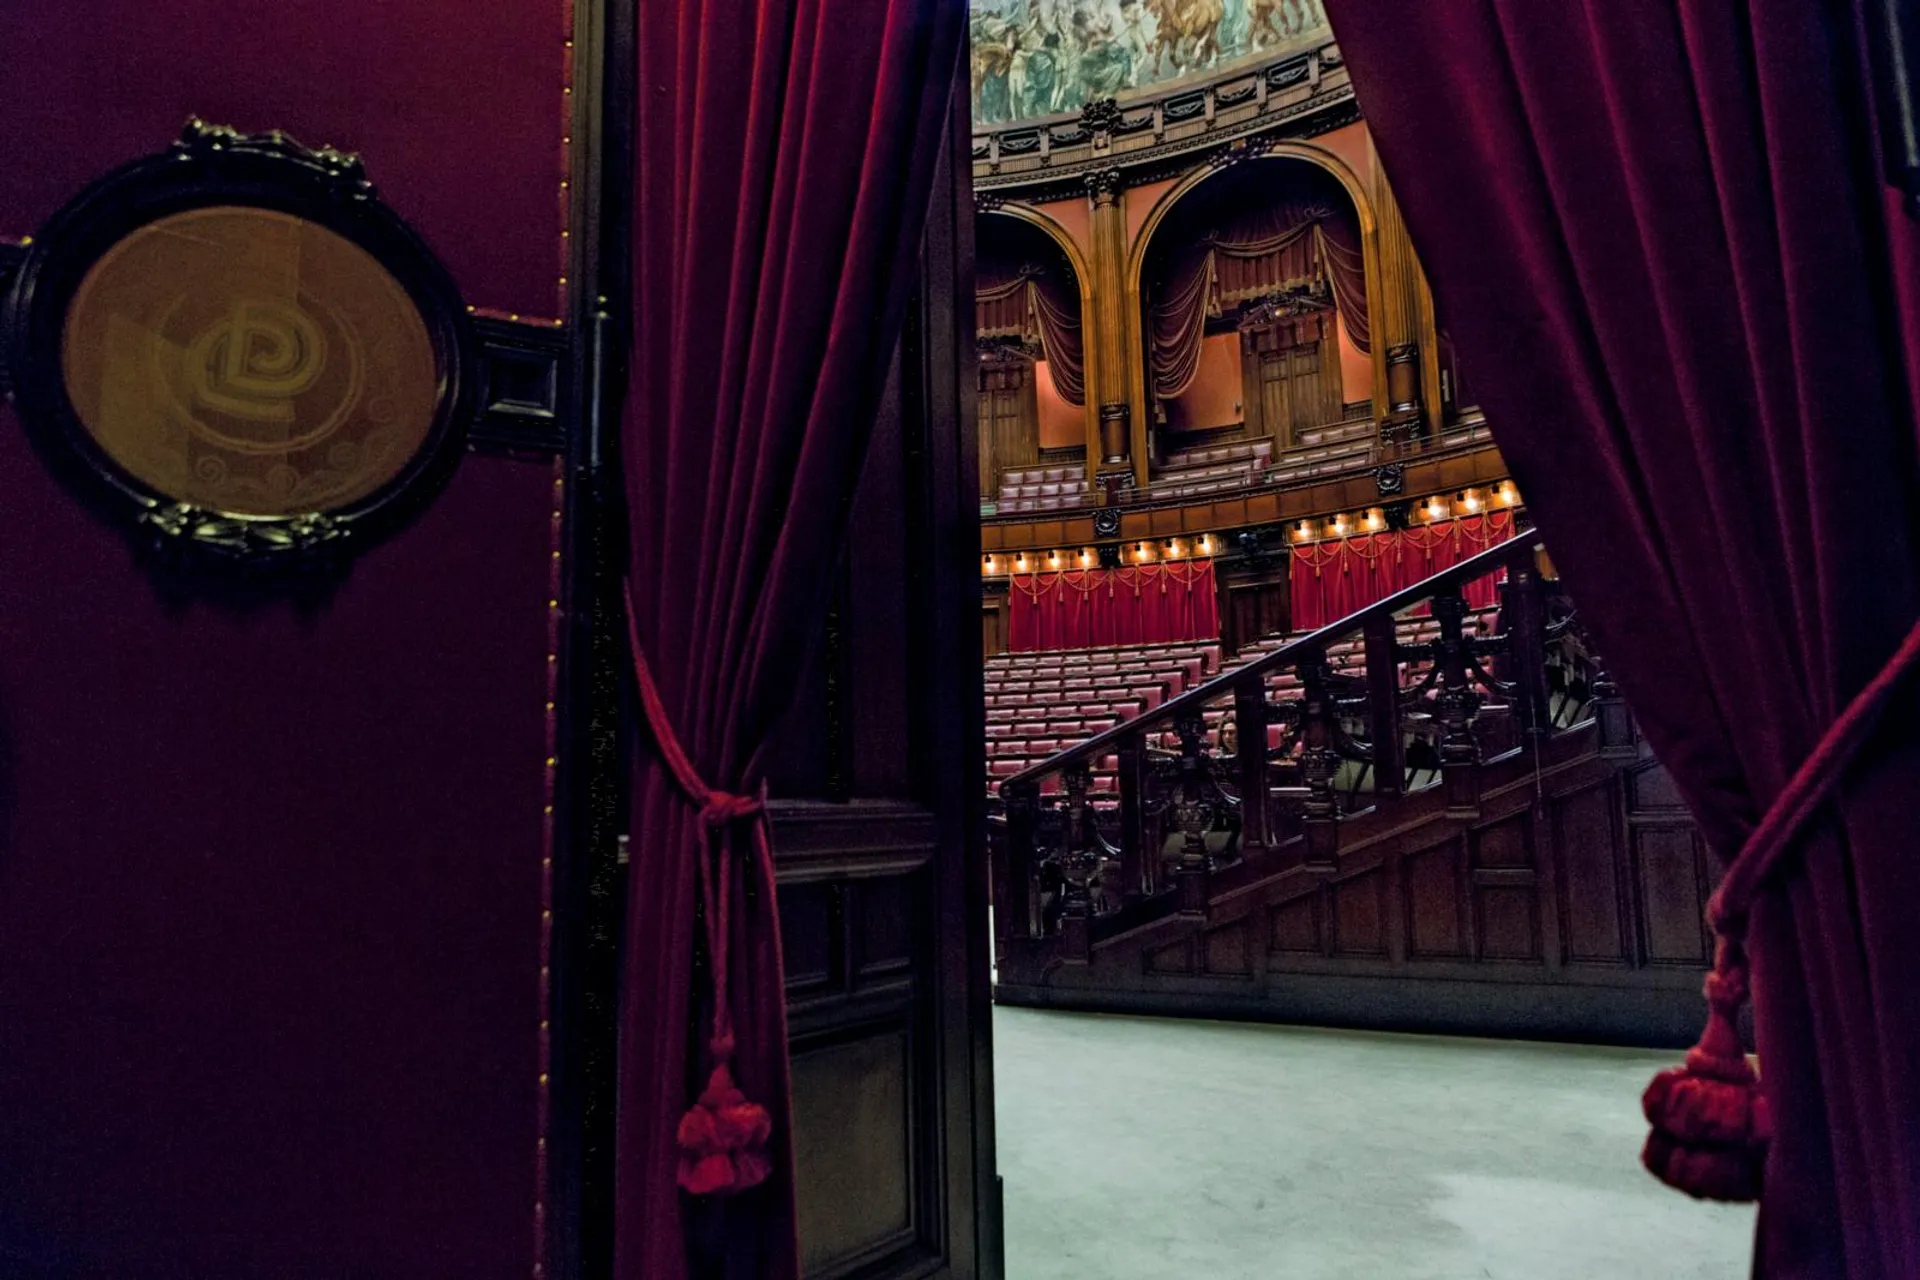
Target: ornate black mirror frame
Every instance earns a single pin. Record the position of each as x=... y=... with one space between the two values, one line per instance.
x=212 y=165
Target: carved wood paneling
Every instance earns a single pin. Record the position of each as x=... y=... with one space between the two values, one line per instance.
x=1360 y=915
x=1552 y=914
x=1436 y=902
x=1227 y=951
x=854 y=1103
x=1672 y=895
x=1586 y=835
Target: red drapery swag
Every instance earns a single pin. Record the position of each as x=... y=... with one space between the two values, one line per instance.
x=784 y=158
x=1692 y=309
x=1080 y=608
x=1034 y=307
x=1264 y=251
x=1330 y=580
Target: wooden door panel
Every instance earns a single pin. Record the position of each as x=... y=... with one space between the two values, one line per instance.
x=878 y=829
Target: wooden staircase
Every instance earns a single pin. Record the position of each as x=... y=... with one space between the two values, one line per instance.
x=1459 y=834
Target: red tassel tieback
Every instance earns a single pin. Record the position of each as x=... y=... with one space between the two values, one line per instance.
x=723 y=1137
x=1710 y=1120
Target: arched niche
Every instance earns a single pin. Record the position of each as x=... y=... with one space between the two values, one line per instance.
x=1009 y=240
x=1271 y=165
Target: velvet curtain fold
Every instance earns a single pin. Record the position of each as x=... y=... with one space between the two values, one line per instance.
x=1082 y=608
x=1031 y=307
x=1329 y=580
x=784 y=158
x=1692 y=308
x=1262 y=251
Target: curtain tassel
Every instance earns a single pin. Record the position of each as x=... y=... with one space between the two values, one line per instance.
x=1711 y=1125
x=723 y=1137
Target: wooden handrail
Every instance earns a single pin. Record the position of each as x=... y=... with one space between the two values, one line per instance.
x=1520 y=548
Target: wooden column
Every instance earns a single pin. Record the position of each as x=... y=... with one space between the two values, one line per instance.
x=1406 y=346
x=1114 y=446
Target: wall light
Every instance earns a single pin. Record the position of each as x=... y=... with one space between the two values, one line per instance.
x=1053 y=561
x=1373 y=519
x=1471 y=500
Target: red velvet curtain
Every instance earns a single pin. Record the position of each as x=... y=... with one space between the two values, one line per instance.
x=784 y=156
x=1263 y=250
x=1692 y=309
x=1080 y=608
x=1330 y=580
x=1034 y=306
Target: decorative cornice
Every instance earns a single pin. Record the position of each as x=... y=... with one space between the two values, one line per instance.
x=342 y=170
x=1041 y=159
x=1241 y=149
x=1103 y=185
x=1100 y=117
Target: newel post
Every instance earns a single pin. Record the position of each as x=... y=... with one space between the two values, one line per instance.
x=1079 y=863
x=1383 y=707
x=1319 y=762
x=1458 y=704
x=1193 y=815
x=1250 y=725
x=1523 y=606
x=1023 y=883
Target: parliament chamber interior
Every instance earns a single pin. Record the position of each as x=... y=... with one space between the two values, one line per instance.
x=1009 y=640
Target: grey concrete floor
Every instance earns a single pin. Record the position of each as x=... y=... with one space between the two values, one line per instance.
x=1162 y=1149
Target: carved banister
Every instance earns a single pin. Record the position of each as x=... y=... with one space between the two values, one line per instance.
x=1139 y=869
x=1250 y=729
x=1082 y=856
x=1022 y=800
x=1192 y=814
x=1182 y=808
x=1319 y=761
x=1455 y=707
x=1383 y=706
x=1516 y=550
x=1523 y=610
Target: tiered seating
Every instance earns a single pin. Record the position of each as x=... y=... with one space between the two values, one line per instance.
x=1042 y=703
x=1043 y=489
x=1213 y=470
x=1335 y=449
x=1343 y=446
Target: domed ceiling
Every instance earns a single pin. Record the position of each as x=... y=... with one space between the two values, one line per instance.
x=1035 y=58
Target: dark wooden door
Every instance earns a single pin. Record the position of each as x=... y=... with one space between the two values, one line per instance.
x=878 y=828
x=1009 y=419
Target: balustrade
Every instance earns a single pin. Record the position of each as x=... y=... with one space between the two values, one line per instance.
x=1270 y=760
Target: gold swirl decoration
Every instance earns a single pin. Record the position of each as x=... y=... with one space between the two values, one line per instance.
x=250 y=362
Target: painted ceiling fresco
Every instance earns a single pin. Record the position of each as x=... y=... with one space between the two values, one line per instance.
x=1041 y=57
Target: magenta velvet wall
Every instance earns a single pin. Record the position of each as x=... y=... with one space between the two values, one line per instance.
x=271 y=882
x=458 y=110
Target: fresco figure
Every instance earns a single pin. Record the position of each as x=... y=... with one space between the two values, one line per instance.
x=1036 y=58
